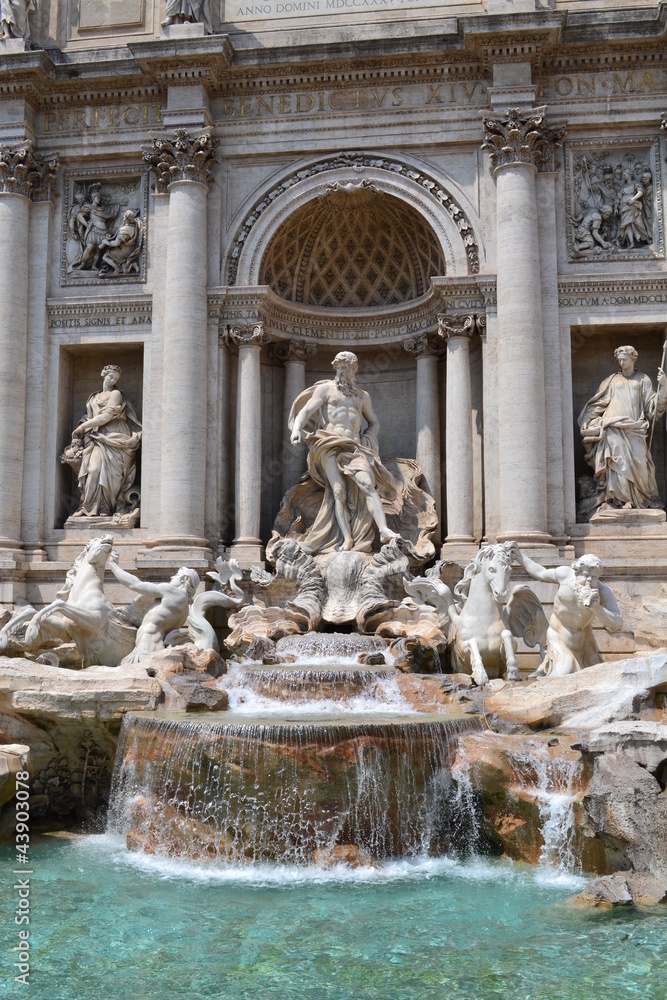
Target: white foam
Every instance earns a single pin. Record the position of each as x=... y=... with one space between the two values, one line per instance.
x=260 y=875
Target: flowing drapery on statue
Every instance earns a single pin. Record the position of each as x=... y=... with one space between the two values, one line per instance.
x=104 y=449
x=345 y=462
x=615 y=425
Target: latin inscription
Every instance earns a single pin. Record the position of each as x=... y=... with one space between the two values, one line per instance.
x=101 y=117
x=87 y=322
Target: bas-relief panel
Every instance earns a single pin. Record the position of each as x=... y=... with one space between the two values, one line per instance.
x=104 y=227
x=614 y=200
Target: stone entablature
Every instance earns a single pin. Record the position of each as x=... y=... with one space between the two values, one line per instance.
x=97 y=314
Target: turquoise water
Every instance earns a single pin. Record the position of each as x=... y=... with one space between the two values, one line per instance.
x=109 y=925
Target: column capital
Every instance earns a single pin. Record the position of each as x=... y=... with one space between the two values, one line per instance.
x=460 y=325
x=293 y=350
x=184 y=158
x=522 y=137
x=247 y=335
x=423 y=346
x=23 y=171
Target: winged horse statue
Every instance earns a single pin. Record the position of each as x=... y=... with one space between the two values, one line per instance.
x=483 y=617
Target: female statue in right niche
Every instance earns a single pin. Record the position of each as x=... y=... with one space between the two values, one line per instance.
x=615 y=425
x=104 y=449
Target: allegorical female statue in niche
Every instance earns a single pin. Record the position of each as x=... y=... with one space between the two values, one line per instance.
x=615 y=426
x=103 y=451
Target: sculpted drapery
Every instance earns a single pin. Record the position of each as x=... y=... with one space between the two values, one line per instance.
x=615 y=425
x=105 y=443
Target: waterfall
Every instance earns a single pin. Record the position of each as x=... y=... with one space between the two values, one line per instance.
x=551 y=780
x=248 y=790
x=253 y=689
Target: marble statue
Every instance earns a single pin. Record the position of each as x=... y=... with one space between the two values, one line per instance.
x=188 y=11
x=83 y=614
x=90 y=226
x=581 y=601
x=632 y=227
x=344 y=459
x=14 y=18
x=482 y=615
x=104 y=452
x=614 y=427
x=120 y=253
x=170 y=606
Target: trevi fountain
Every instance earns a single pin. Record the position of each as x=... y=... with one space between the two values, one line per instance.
x=333 y=551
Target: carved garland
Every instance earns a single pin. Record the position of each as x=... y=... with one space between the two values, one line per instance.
x=358 y=161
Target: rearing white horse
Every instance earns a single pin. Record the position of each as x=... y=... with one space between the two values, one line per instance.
x=83 y=614
x=481 y=637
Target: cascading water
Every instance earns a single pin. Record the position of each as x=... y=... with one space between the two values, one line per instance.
x=245 y=790
x=551 y=781
x=312 y=688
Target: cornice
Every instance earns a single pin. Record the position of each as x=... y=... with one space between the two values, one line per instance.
x=94 y=307
x=611 y=291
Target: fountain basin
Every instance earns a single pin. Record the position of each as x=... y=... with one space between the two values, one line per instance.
x=256 y=789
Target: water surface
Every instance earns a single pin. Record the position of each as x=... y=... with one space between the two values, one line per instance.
x=110 y=925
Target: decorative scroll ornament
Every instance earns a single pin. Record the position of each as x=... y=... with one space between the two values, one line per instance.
x=248 y=335
x=461 y=325
x=522 y=137
x=357 y=161
x=22 y=171
x=423 y=346
x=185 y=158
x=294 y=350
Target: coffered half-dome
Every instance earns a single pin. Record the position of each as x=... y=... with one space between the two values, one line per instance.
x=353 y=247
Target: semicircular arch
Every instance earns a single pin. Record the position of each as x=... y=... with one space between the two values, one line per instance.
x=442 y=207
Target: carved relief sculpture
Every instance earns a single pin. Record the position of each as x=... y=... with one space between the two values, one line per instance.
x=344 y=459
x=188 y=12
x=614 y=427
x=103 y=452
x=104 y=230
x=612 y=208
x=14 y=19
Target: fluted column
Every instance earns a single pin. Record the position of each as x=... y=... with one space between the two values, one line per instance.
x=247 y=546
x=182 y=167
x=294 y=355
x=520 y=145
x=23 y=175
x=456 y=331
x=427 y=418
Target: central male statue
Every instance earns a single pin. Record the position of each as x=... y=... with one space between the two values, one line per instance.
x=344 y=459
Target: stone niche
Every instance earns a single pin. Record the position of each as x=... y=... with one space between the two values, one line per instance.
x=388 y=373
x=592 y=361
x=79 y=376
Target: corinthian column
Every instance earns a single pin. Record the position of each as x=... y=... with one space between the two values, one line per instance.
x=520 y=145
x=427 y=418
x=182 y=167
x=294 y=355
x=247 y=546
x=457 y=331
x=23 y=176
